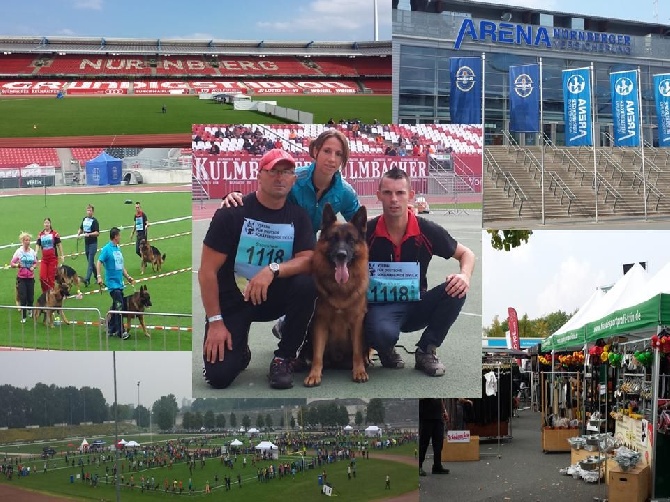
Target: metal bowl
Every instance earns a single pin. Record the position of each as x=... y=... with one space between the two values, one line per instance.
x=589 y=464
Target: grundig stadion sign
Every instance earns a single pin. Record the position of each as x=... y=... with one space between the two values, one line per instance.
x=539 y=36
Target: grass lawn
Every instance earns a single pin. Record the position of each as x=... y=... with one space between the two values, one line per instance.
x=170 y=294
x=369 y=483
x=81 y=116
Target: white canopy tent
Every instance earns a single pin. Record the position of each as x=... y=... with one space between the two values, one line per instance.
x=373 y=431
x=268 y=448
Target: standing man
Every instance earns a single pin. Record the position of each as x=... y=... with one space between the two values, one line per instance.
x=269 y=242
x=401 y=247
x=140 y=226
x=91 y=229
x=432 y=417
x=112 y=259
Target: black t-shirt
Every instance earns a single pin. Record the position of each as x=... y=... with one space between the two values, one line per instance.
x=430 y=409
x=423 y=240
x=89 y=225
x=224 y=234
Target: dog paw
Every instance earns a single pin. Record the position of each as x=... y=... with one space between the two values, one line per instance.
x=147 y=335
x=360 y=375
x=313 y=380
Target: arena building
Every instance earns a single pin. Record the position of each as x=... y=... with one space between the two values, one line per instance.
x=426 y=33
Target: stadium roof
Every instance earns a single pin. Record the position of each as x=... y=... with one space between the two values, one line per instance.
x=167 y=47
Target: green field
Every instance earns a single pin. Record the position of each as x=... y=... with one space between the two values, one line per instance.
x=84 y=116
x=170 y=294
x=369 y=483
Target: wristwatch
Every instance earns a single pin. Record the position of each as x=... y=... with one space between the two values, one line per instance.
x=275 y=269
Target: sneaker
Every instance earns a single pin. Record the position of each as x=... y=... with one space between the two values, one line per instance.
x=438 y=469
x=23 y=321
x=428 y=362
x=422 y=472
x=124 y=335
x=281 y=373
x=277 y=328
x=391 y=359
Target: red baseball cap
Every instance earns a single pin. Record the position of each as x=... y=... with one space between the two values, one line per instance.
x=271 y=157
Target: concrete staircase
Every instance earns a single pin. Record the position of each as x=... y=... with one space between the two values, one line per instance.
x=568 y=183
x=198 y=191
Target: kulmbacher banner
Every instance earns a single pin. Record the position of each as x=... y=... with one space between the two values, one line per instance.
x=625 y=108
x=465 y=99
x=524 y=98
x=577 y=103
x=662 y=94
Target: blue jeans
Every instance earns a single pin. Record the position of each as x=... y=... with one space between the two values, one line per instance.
x=115 y=326
x=436 y=312
x=90 y=250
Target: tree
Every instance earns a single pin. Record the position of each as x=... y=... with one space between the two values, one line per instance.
x=221 y=421
x=342 y=416
x=165 y=412
x=187 y=421
x=268 y=421
x=246 y=422
x=141 y=416
x=209 y=420
x=198 y=420
x=260 y=421
x=496 y=329
x=375 y=412
x=358 y=420
x=508 y=239
x=233 y=420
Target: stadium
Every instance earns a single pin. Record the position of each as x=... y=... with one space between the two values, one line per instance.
x=604 y=183
x=43 y=80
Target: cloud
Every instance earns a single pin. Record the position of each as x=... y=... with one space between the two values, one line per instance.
x=568 y=289
x=66 y=32
x=88 y=4
x=331 y=16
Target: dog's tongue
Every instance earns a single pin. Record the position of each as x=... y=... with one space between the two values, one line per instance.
x=341 y=273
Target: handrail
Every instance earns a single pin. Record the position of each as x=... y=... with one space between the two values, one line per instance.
x=556 y=182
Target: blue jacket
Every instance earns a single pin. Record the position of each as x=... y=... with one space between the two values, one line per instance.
x=340 y=195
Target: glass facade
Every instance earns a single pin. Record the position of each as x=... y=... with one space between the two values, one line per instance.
x=423 y=79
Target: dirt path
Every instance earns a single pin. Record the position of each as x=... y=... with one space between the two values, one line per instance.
x=10 y=493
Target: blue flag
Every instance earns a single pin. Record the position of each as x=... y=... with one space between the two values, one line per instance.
x=577 y=107
x=662 y=93
x=465 y=99
x=524 y=98
x=625 y=108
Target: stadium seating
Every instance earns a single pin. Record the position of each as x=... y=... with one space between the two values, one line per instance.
x=85 y=154
x=183 y=65
x=21 y=157
x=17 y=64
x=378 y=86
x=372 y=65
x=263 y=66
x=336 y=66
x=70 y=64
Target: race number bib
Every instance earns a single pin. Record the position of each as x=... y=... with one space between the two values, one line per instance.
x=393 y=282
x=261 y=244
x=27 y=260
x=139 y=223
x=87 y=224
x=118 y=260
x=47 y=241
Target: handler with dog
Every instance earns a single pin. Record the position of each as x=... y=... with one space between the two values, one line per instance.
x=401 y=246
x=25 y=259
x=270 y=242
x=91 y=229
x=140 y=227
x=112 y=259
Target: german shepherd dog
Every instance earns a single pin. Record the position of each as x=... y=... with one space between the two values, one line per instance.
x=340 y=270
x=137 y=302
x=151 y=254
x=67 y=275
x=52 y=298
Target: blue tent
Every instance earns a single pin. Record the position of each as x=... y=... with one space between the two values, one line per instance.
x=104 y=170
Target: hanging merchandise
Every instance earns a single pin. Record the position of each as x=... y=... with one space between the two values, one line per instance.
x=491 y=383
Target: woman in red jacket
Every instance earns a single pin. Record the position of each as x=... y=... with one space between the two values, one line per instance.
x=49 y=242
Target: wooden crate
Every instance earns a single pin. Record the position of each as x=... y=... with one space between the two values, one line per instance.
x=630 y=486
x=461 y=452
x=557 y=439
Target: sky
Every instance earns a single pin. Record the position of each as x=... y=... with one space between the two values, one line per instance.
x=320 y=20
x=159 y=373
x=642 y=10
x=560 y=269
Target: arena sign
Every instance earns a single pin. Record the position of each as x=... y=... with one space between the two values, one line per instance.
x=539 y=36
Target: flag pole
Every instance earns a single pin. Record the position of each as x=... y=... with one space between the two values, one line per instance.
x=593 y=139
x=639 y=104
x=541 y=143
x=483 y=109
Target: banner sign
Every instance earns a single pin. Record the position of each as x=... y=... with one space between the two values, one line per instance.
x=458 y=436
x=539 y=36
x=625 y=108
x=513 y=323
x=662 y=95
x=524 y=98
x=577 y=107
x=465 y=99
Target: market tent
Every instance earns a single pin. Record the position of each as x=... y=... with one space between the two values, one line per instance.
x=268 y=448
x=373 y=431
x=236 y=442
x=84 y=445
x=348 y=428
x=572 y=331
x=104 y=170
x=132 y=443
